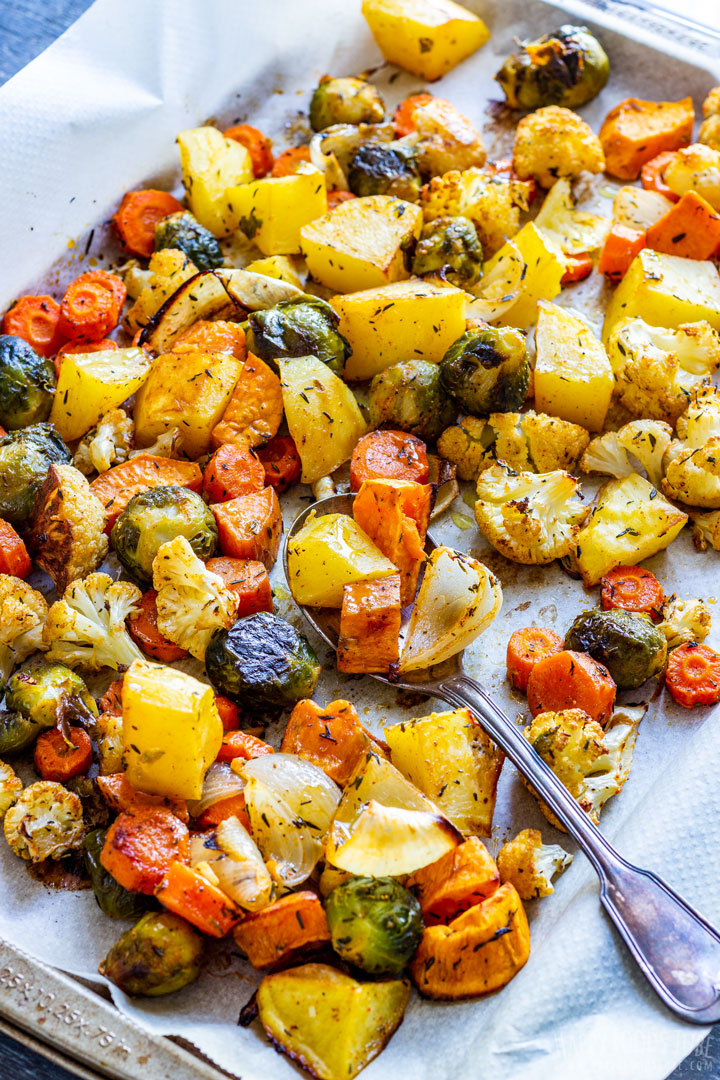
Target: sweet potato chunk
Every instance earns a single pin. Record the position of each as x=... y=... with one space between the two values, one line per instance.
x=255 y=409
x=369 y=625
x=395 y=515
x=691 y=229
x=119 y=794
x=463 y=877
x=141 y=845
x=331 y=738
x=250 y=526
x=636 y=131
x=275 y=933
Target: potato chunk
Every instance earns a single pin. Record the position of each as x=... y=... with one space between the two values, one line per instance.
x=328 y=553
x=544 y=266
x=91 y=384
x=573 y=376
x=272 y=211
x=426 y=37
x=210 y=165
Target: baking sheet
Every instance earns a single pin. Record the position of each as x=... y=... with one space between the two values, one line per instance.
x=97 y=114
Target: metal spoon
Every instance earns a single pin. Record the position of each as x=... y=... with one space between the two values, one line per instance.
x=676 y=949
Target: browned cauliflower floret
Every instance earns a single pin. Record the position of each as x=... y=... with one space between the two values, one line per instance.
x=553 y=143
x=45 y=823
x=107 y=444
x=87 y=627
x=23 y=612
x=445 y=139
x=709 y=133
x=706 y=530
x=167 y=271
x=684 y=620
x=615 y=452
x=695 y=168
x=530 y=865
x=10 y=788
x=192 y=602
x=492 y=203
x=692 y=473
x=528 y=441
x=67 y=527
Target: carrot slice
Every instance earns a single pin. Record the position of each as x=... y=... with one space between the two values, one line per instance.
x=212 y=337
x=187 y=893
x=525 y=649
x=248 y=579
x=14 y=558
x=119 y=794
x=229 y=713
x=91 y=306
x=258 y=146
x=652 y=175
x=691 y=229
x=631 y=588
x=287 y=163
x=403 y=115
x=579 y=267
x=693 y=675
x=35 y=319
x=116 y=487
x=141 y=845
x=111 y=701
x=571 y=680
x=143 y=627
x=334 y=198
x=233 y=470
x=389 y=455
x=277 y=932
x=137 y=216
x=250 y=526
x=224 y=809
x=282 y=463
x=239 y=744
x=57 y=760
x=104 y=345
x=620 y=248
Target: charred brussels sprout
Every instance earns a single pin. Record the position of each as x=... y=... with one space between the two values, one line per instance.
x=25 y=457
x=379 y=169
x=449 y=247
x=27 y=384
x=375 y=924
x=487 y=370
x=114 y=901
x=17 y=732
x=409 y=397
x=567 y=67
x=301 y=326
x=182 y=232
x=47 y=693
x=157 y=515
x=158 y=955
x=630 y=647
x=262 y=662
x=345 y=101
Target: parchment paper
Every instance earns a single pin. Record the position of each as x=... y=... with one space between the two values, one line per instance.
x=97 y=114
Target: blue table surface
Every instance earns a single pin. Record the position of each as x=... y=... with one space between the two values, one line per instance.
x=26 y=28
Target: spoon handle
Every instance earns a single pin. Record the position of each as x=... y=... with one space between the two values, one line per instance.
x=676 y=949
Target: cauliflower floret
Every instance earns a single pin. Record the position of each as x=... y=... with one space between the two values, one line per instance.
x=110 y=744
x=192 y=602
x=574 y=231
x=168 y=445
x=529 y=517
x=45 y=823
x=445 y=139
x=107 y=444
x=701 y=419
x=684 y=620
x=694 y=476
x=10 y=788
x=552 y=143
x=168 y=269
x=592 y=763
x=711 y=104
x=23 y=612
x=553 y=443
x=709 y=133
x=67 y=527
x=656 y=368
x=466 y=446
x=706 y=530
x=87 y=627
x=695 y=168
x=647 y=441
x=492 y=203
x=606 y=455
x=531 y=441
x=530 y=865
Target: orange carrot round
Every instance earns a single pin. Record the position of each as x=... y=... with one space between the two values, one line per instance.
x=693 y=675
x=258 y=146
x=187 y=893
x=57 y=760
x=232 y=471
x=334 y=198
x=91 y=306
x=403 y=115
x=631 y=588
x=141 y=845
x=14 y=558
x=212 y=337
x=240 y=744
x=143 y=628
x=389 y=455
x=287 y=163
x=652 y=175
x=248 y=579
x=35 y=319
x=116 y=487
x=137 y=216
x=571 y=680
x=105 y=345
x=281 y=462
x=578 y=268
x=229 y=712
x=525 y=649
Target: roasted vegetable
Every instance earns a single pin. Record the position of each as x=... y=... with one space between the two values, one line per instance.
x=644 y=441
x=377 y=169
x=293 y=924
x=553 y=143
x=446 y=139
x=23 y=612
x=156 y=516
x=683 y=621
x=107 y=444
x=262 y=662
x=449 y=247
x=25 y=457
x=487 y=370
x=159 y=955
x=328 y=553
x=409 y=396
x=636 y=131
x=630 y=647
x=67 y=527
x=345 y=101
x=92 y=383
x=331 y=737
x=236 y=862
x=17 y=732
x=427 y=40
x=113 y=900
x=274 y=211
x=573 y=377
x=566 y=67
x=46 y=822
x=210 y=165
x=183 y=233
x=375 y=924
x=27 y=384
x=491 y=203
x=87 y=627
x=10 y=788
x=301 y=326
x=530 y=865
x=467 y=875
x=395 y=515
x=48 y=693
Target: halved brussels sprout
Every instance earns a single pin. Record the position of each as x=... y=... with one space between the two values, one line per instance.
x=377 y=169
x=17 y=732
x=566 y=67
x=25 y=457
x=632 y=648
x=449 y=246
x=27 y=384
x=47 y=693
x=184 y=233
x=154 y=517
x=375 y=924
x=114 y=901
x=345 y=101
x=159 y=955
x=410 y=397
x=487 y=370
x=301 y=326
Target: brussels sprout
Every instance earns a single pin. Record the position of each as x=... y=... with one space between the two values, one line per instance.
x=487 y=370
x=262 y=662
x=153 y=517
x=158 y=955
x=375 y=924
x=25 y=457
x=27 y=384
x=183 y=233
x=409 y=397
x=630 y=647
x=48 y=693
x=567 y=67
x=301 y=326
x=379 y=169
x=17 y=732
x=449 y=246
x=345 y=101
x=114 y=901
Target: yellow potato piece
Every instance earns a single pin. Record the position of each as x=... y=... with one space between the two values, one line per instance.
x=276 y=266
x=272 y=211
x=92 y=384
x=544 y=268
x=426 y=37
x=210 y=165
x=329 y=553
x=573 y=376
